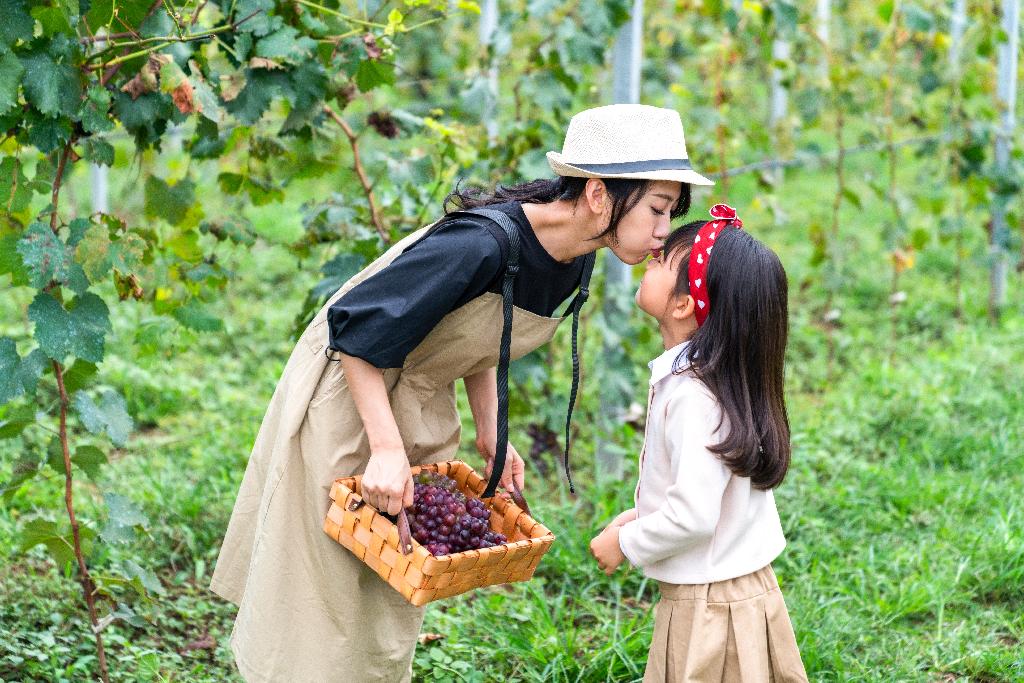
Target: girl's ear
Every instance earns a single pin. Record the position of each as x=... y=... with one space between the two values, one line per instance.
x=682 y=307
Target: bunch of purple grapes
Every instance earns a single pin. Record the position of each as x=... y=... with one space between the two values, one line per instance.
x=444 y=521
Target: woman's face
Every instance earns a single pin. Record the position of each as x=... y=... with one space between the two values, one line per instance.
x=643 y=231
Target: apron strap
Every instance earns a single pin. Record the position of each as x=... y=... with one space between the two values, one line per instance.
x=577 y=304
x=505 y=350
x=511 y=269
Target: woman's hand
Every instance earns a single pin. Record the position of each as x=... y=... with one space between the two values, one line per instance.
x=515 y=468
x=387 y=481
x=605 y=549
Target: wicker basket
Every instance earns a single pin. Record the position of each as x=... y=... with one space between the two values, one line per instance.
x=420 y=576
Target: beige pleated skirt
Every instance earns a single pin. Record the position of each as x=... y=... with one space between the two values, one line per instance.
x=735 y=630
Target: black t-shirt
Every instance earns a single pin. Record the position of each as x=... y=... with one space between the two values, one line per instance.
x=385 y=317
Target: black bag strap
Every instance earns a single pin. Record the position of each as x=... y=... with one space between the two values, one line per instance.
x=511 y=269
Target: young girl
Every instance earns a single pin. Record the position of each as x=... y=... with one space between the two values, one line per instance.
x=705 y=525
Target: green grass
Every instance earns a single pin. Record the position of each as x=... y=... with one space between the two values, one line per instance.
x=902 y=509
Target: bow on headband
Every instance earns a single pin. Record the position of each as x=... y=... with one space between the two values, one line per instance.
x=724 y=216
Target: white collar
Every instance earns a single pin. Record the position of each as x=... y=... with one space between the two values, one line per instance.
x=661 y=367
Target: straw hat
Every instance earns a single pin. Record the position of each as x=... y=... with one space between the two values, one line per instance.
x=626 y=141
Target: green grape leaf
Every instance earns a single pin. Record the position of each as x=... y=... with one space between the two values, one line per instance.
x=285 y=43
x=372 y=73
x=18 y=376
x=337 y=272
x=25 y=468
x=16 y=420
x=94 y=110
x=254 y=16
x=170 y=202
x=78 y=375
x=79 y=331
x=209 y=105
x=17 y=22
x=19 y=192
x=308 y=89
x=53 y=20
x=142 y=580
x=195 y=316
x=99 y=151
x=10 y=261
x=89 y=459
x=102 y=249
x=109 y=416
x=144 y=117
x=10 y=77
x=58 y=541
x=102 y=12
x=51 y=87
x=123 y=515
x=48 y=259
x=238 y=229
x=171 y=76
x=55 y=455
x=185 y=245
x=76 y=230
x=261 y=87
x=47 y=134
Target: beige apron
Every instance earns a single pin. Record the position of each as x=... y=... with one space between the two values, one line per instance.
x=309 y=611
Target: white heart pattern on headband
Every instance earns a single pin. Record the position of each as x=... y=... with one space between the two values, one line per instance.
x=700 y=258
x=697 y=282
x=700 y=302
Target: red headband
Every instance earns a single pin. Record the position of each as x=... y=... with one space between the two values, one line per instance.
x=701 y=254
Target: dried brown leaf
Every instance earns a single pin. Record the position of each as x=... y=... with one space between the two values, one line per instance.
x=373 y=50
x=184 y=99
x=263 y=63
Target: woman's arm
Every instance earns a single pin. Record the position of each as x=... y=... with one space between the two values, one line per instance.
x=387 y=481
x=482 y=391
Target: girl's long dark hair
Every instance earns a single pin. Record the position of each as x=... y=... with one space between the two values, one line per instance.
x=625 y=194
x=739 y=354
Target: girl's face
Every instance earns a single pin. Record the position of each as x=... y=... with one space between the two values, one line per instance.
x=643 y=230
x=657 y=288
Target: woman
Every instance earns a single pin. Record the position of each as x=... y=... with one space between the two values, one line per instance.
x=426 y=313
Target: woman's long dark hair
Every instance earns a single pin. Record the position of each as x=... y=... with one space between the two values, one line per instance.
x=739 y=353
x=625 y=194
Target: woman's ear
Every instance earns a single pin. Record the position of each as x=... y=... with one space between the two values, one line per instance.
x=597 y=196
x=682 y=307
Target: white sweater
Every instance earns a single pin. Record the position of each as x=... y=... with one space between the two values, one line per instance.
x=697 y=521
